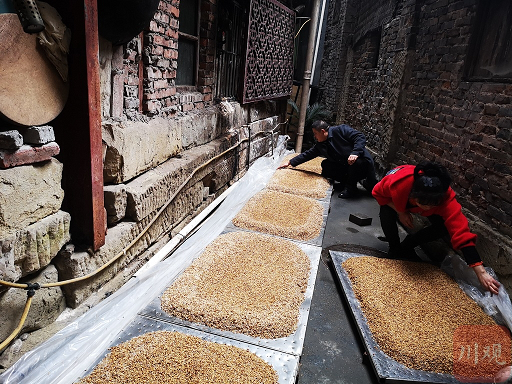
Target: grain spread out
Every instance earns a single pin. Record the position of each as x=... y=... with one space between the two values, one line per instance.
x=176 y=358
x=412 y=310
x=245 y=283
x=281 y=214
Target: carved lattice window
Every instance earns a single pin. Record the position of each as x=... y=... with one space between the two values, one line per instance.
x=269 y=55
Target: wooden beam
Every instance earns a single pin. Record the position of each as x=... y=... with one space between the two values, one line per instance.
x=78 y=128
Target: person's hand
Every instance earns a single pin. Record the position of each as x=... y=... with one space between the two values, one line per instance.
x=352 y=159
x=406 y=219
x=487 y=281
x=284 y=165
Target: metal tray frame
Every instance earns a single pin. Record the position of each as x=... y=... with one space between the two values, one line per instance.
x=285 y=365
x=387 y=369
x=291 y=344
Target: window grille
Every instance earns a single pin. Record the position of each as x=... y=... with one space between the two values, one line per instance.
x=269 y=53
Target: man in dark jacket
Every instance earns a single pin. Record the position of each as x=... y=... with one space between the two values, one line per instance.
x=346 y=158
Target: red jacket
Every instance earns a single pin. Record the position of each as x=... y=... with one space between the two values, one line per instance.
x=396 y=186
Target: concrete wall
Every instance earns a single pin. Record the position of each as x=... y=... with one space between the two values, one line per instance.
x=414 y=103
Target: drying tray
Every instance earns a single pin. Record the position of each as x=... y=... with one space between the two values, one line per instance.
x=317 y=241
x=291 y=344
x=387 y=369
x=285 y=365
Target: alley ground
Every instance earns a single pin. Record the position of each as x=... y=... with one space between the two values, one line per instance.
x=333 y=351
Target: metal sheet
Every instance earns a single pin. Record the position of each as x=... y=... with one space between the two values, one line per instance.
x=385 y=367
x=286 y=365
x=292 y=344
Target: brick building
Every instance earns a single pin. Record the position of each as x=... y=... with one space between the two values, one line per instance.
x=431 y=79
x=159 y=121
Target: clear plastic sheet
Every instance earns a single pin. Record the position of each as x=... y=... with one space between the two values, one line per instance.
x=497 y=306
x=68 y=354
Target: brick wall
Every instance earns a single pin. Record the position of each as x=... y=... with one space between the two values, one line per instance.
x=158 y=50
x=368 y=83
x=417 y=104
x=339 y=28
x=464 y=125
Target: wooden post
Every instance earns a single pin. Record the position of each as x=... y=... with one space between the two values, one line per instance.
x=78 y=128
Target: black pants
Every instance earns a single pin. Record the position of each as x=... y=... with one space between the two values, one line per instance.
x=389 y=223
x=349 y=175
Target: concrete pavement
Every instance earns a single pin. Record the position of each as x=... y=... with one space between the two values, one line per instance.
x=333 y=351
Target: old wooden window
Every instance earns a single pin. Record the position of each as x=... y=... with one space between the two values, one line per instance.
x=490 y=54
x=231 y=40
x=269 y=53
x=188 y=43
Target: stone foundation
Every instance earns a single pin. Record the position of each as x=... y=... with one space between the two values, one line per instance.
x=28 y=194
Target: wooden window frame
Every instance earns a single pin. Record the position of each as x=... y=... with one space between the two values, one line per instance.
x=195 y=39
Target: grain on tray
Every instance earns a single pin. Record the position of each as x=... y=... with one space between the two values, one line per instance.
x=245 y=283
x=313 y=165
x=281 y=214
x=175 y=358
x=412 y=310
x=297 y=182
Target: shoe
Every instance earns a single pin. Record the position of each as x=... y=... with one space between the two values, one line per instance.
x=348 y=194
x=394 y=253
x=368 y=185
x=409 y=254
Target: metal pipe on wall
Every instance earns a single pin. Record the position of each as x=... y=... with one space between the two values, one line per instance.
x=304 y=101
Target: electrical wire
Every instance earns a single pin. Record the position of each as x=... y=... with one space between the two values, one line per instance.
x=303 y=24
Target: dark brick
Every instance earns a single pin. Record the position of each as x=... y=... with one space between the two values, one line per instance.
x=499 y=215
x=505 y=123
x=505 y=134
x=505 y=111
x=491 y=109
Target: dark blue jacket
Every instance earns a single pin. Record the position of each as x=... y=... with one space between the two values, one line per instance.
x=342 y=141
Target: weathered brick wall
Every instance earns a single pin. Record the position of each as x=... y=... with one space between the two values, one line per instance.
x=159 y=53
x=372 y=54
x=339 y=27
x=416 y=104
x=207 y=36
x=464 y=125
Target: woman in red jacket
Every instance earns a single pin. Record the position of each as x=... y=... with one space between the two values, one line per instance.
x=425 y=190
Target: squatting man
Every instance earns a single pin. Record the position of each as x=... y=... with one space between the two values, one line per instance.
x=347 y=161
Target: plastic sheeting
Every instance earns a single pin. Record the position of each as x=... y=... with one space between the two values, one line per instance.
x=497 y=306
x=68 y=354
